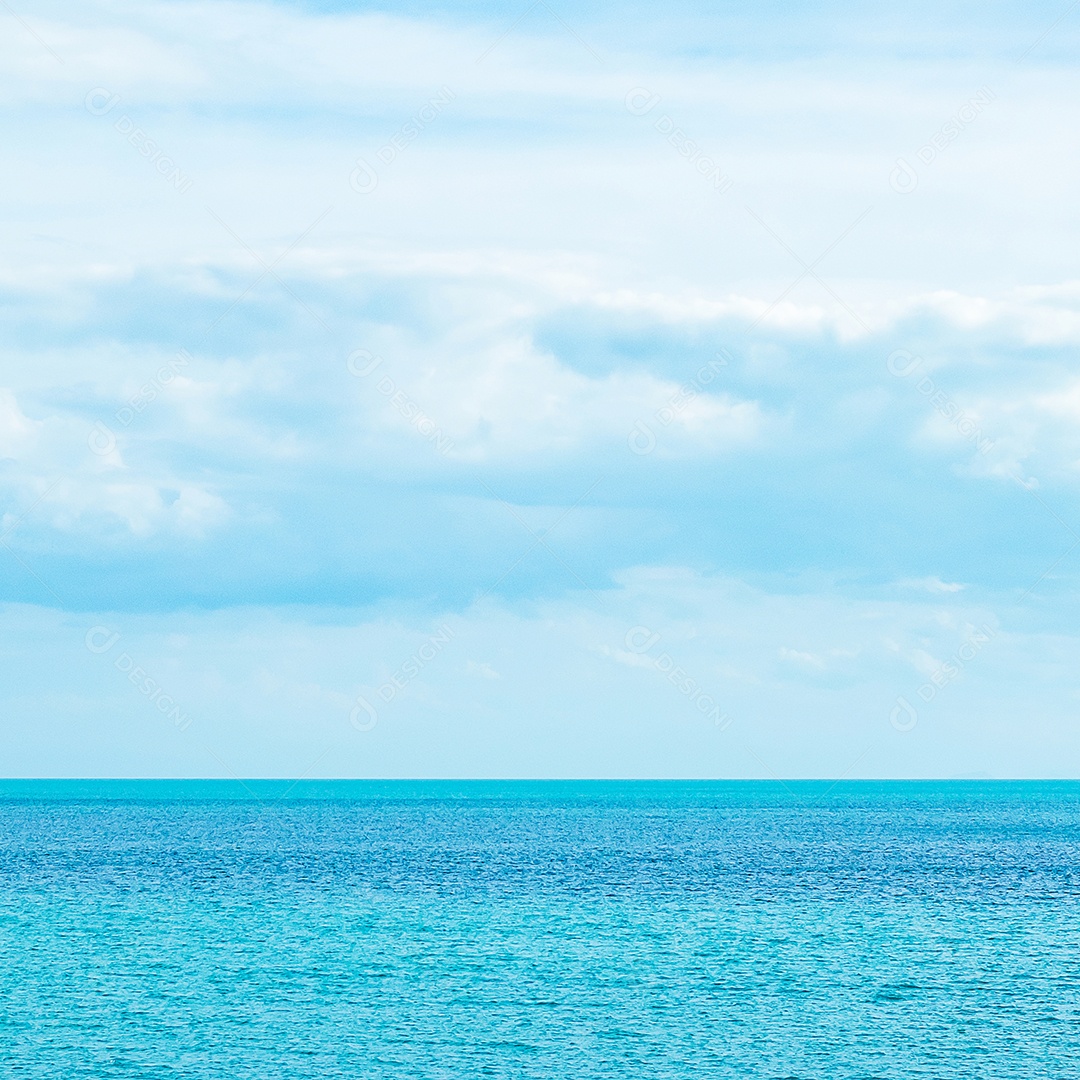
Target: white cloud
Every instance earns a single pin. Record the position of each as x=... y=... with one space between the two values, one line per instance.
x=269 y=691
x=536 y=198
x=932 y=585
x=482 y=670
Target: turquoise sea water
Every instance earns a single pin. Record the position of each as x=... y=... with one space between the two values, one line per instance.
x=453 y=930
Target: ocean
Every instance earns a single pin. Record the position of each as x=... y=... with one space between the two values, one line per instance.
x=205 y=929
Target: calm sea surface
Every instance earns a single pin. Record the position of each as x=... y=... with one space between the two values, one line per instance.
x=563 y=930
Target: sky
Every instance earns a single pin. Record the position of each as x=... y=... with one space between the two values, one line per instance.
x=474 y=390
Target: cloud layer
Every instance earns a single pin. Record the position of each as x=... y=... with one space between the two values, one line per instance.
x=326 y=330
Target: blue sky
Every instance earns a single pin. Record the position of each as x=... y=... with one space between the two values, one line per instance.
x=463 y=390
